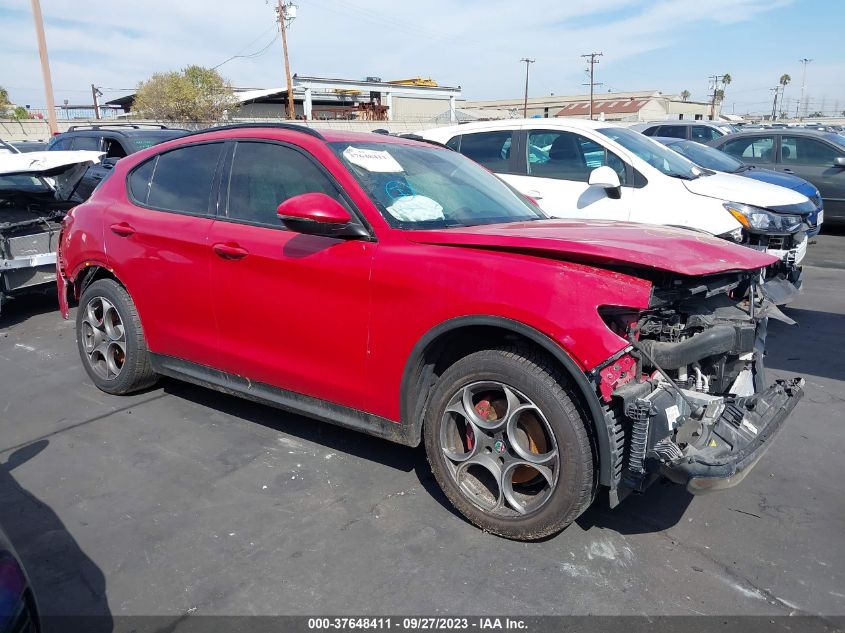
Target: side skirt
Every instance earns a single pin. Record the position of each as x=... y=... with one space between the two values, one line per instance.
x=283 y=399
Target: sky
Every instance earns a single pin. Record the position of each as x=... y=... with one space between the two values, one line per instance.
x=666 y=45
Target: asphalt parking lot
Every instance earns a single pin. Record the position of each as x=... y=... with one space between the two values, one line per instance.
x=182 y=500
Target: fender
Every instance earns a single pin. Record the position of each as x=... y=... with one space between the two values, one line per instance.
x=413 y=381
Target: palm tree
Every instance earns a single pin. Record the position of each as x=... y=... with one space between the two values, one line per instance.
x=784 y=79
x=685 y=95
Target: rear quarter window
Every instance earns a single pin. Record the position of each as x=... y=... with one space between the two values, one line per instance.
x=179 y=180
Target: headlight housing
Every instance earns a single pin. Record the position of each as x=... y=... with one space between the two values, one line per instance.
x=761 y=220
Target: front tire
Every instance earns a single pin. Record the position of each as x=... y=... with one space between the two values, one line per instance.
x=508 y=443
x=110 y=339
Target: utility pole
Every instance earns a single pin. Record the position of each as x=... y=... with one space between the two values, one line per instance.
x=95 y=93
x=286 y=12
x=45 y=66
x=593 y=62
x=716 y=80
x=528 y=62
x=776 y=89
x=804 y=61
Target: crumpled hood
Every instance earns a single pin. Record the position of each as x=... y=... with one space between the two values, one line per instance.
x=65 y=168
x=606 y=242
x=734 y=188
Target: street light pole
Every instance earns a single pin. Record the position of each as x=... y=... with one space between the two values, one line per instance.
x=287 y=12
x=804 y=61
x=528 y=62
x=45 y=66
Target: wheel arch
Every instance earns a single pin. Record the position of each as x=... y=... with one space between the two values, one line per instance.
x=454 y=339
x=91 y=273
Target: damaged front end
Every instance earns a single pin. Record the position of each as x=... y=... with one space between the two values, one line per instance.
x=35 y=190
x=688 y=399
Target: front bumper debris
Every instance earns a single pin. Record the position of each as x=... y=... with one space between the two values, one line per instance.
x=721 y=454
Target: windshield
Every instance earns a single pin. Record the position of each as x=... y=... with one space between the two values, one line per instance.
x=418 y=187
x=658 y=156
x=708 y=157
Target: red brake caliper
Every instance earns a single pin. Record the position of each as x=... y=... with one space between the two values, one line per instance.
x=483 y=409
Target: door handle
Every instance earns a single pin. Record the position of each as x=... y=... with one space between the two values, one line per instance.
x=229 y=251
x=122 y=229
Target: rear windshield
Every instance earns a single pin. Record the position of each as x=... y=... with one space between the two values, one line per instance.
x=419 y=187
x=143 y=140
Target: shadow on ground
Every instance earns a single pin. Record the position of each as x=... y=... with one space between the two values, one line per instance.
x=797 y=348
x=22 y=308
x=65 y=580
x=310 y=430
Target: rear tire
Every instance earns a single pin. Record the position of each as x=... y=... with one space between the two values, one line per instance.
x=111 y=341
x=509 y=444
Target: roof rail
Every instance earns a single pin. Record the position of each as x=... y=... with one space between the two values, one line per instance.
x=279 y=126
x=134 y=126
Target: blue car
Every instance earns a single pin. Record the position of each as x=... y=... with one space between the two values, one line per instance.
x=711 y=158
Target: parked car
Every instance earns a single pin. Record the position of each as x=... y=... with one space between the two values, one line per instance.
x=18 y=607
x=711 y=158
x=116 y=140
x=818 y=157
x=398 y=288
x=594 y=169
x=698 y=131
x=29 y=146
x=35 y=189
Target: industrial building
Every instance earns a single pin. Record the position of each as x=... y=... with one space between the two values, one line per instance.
x=646 y=105
x=320 y=98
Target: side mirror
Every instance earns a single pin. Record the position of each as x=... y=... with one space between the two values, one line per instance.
x=319 y=214
x=608 y=180
x=839 y=161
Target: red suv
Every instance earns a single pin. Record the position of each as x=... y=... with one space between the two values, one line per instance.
x=396 y=287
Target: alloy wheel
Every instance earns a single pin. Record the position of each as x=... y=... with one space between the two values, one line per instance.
x=500 y=449
x=103 y=338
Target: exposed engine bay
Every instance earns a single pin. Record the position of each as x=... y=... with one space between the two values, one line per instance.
x=35 y=193
x=29 y=229
x=690 y=395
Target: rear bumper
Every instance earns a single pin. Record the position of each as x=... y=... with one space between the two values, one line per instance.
x=737 y=440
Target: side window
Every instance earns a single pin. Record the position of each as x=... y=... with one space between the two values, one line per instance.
x=704 y=134
x=756 y=149
x=58 y=142
x=568 y=156
x=672 y=131
x=652 y=131
x=800 y=150
x=491 y=149
x=113 y=149
x=86 y=142
x=183 y=177
x=455 y=143
x=139 y=181
x=264 y=175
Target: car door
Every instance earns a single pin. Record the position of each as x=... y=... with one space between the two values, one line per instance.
x=813 y=160
x=157 y=244
x=757 y=150
x=557 y=169
x=292 y=310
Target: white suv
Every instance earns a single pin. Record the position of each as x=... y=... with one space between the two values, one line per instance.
x=595 y=169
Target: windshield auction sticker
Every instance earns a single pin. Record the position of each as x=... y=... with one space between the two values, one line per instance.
x=372 y=160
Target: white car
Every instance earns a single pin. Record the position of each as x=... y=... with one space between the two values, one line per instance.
x=594 y=169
